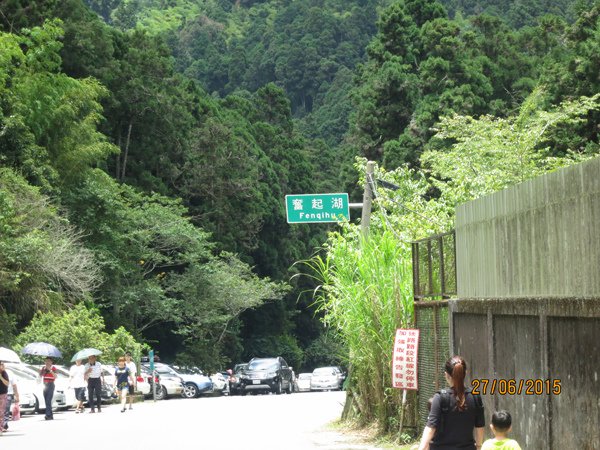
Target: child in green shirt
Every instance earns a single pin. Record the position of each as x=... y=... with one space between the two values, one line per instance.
x=501 y=426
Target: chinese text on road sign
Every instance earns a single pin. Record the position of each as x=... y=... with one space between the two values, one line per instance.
x=307 y=208
x=404 y=364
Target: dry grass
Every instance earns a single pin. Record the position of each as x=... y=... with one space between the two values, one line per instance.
x=369 y=436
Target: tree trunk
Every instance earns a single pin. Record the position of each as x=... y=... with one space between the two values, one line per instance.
x=118 y=165
x=126 y=150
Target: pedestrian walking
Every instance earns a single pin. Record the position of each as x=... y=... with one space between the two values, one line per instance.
x=130 y=364
x=12 y=395
x=77 y=382
x=4 y=382
x=95 y=379
x=48 y=374
x=501 y=426
x=122 y=381
x=455 y=413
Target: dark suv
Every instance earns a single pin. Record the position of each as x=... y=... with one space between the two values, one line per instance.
x=267 y=374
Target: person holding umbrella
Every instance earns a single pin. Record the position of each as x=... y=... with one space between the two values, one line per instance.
x=48 y=374
x=93 y=374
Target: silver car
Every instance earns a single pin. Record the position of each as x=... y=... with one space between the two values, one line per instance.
x=303 y=382
x=326 y=379
x=171 y=384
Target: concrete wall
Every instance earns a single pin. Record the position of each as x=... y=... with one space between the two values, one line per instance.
x=525 y=339
x=540 y=238
x=528 y=307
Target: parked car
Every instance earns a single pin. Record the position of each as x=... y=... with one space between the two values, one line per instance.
x=60 y=400
x=195 y=382
x=31 y=373
x=108 y=391
x=303 y=382
x=267 y=374
x=143 y=384
x=235 y=378
x=27 y=386
x=326 y=379
x=146 y=375
x=171 y=383
x=341 y=374
x=220 y=383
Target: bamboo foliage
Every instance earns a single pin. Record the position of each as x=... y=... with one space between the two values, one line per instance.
x=366 y=293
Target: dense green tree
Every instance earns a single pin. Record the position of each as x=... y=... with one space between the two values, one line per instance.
x=222 y=179
x=79 y=328
x=43 y=263
x=574 y=71
x=138 y=255
x=328 y=349
x=488 y=154
x=160 y=269
x=50 y=120
x=518 y=13
x=17 y=14
x=423 y=65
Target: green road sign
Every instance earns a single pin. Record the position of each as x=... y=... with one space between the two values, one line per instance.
x=311 y=208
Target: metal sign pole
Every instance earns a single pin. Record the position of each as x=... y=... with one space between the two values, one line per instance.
x=365 y=220
x=151 y=360
x=154 y=386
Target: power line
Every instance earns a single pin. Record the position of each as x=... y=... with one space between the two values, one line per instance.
x=385 y=216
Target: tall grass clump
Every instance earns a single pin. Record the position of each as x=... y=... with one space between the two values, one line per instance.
x=366 y=293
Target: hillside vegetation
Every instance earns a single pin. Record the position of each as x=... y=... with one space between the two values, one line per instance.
x=147 y=146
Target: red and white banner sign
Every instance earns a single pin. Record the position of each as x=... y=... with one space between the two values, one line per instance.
x=404 y=364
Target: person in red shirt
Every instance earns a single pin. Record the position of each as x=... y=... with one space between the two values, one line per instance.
x=48 y=374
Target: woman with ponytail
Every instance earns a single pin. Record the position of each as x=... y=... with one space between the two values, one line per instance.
x=456 y=418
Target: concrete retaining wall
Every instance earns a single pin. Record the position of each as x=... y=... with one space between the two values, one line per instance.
x=528 y=307
x=538 y=239
x=530 y=339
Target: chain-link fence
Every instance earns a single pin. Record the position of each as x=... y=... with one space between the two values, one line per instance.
x=434 y=281
x=434 y=348
x=434 y=266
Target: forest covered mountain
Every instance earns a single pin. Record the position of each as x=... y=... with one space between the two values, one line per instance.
x=164 y=134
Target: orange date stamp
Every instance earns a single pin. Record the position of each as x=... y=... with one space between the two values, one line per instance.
x=510 y=386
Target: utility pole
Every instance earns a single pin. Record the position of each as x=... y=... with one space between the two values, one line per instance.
x=365 y=220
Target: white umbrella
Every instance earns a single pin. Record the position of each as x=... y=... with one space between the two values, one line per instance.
x=86 y=353
x=41 y=349
x=7 y=355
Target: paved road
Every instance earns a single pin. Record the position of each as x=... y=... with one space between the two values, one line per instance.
x=267 y=422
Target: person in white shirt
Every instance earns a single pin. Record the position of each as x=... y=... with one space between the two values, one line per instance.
x=13 y=395
x=77 y=382
x=95 y=378
x=133 y=371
